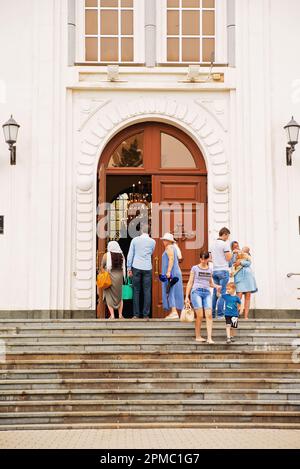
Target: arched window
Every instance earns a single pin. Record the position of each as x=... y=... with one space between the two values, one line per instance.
x=174 y=154
x=129 y=154
x=152 y=147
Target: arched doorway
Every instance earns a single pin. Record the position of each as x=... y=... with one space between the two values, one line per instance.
x=154 y=163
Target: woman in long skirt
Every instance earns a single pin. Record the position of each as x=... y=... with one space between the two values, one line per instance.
x=114 y=263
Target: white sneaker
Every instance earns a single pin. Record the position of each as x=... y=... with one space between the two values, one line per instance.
x=172 y=316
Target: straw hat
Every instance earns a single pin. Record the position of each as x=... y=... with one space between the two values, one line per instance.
x=168 y=237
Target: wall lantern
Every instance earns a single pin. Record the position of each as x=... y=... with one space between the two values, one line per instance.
x=292 y=130
x=11 y=129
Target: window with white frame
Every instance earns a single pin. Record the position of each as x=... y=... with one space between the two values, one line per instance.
x=192 y=31
x=111 y=31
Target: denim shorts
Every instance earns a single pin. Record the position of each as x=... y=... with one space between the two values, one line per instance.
x=201 y=298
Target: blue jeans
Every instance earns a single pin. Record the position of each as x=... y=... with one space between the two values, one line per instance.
x=220 y=277
x=141 y=279
x=201 y=298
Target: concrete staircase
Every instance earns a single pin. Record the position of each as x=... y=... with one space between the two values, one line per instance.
x=116 y=374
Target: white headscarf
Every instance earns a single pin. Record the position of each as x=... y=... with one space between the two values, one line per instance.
x=114 y=247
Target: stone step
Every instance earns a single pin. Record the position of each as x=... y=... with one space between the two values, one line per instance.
x=24 y=315
x=51 y=315
x=156 y=425
x=145 y=394
x=152 y=383
x=150 y=363
x=145 y=327
x=167 y=373
x=149 y=329
x=179 y=338
x=57 y=347
x=149 y=417
x=156 y=405
x=201 y=353
x=139 y=321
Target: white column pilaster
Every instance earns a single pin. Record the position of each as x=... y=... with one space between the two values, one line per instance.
x=150 y=33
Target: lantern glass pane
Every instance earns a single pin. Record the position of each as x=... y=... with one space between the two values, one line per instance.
x=293 y=134
x=10 y=133
x=14 y=132
x=6 y=133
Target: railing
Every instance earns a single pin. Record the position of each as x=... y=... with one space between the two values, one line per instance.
x=294 y=275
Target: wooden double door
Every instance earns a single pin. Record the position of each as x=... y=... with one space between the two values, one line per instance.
x=179 y=194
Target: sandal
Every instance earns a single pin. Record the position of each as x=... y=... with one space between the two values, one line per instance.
x=201 y=340
x=210 y=342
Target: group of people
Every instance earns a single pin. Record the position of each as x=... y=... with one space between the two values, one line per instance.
x=226 y=269
x=230 y=276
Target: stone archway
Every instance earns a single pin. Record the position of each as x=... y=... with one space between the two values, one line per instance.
x=98 y=129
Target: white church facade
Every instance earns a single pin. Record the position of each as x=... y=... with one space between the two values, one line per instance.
x=85 y=76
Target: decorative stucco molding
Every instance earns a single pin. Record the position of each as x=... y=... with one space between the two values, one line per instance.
x=98 y=129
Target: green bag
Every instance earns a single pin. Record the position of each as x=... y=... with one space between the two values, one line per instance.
x=127 y=290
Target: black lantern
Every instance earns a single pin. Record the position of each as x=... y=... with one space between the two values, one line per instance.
x=11 y=129
x=292 y=130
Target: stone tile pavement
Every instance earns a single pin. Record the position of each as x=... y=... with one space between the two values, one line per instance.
x=151 y=439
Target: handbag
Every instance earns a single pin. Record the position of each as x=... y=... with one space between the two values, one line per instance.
x=104 y=280
x=127 y=290
x=187 y=314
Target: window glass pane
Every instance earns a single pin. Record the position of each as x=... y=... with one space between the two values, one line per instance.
x=127 y=22
x=174 y=154
x=191 y=50
x=109 y=3
x=109 y=22
x=173 y=22
x=91 y=3
x=114 y=33
x=127 y=49
x=190 y=23
x=173 y=50
x=129 y=154
x=109 y=49
x=208 y=23
x=127 y=3
x=208 y=52
x=91 y=49
x=208 y=3
x=191 y=3
x=91 y=22
x=173 y=3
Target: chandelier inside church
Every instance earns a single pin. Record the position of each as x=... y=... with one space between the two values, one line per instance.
x=130 y=208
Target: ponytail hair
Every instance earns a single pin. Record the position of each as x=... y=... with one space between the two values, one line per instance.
x=178 y=250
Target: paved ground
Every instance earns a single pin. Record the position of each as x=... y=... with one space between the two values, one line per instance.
x=151 y=439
